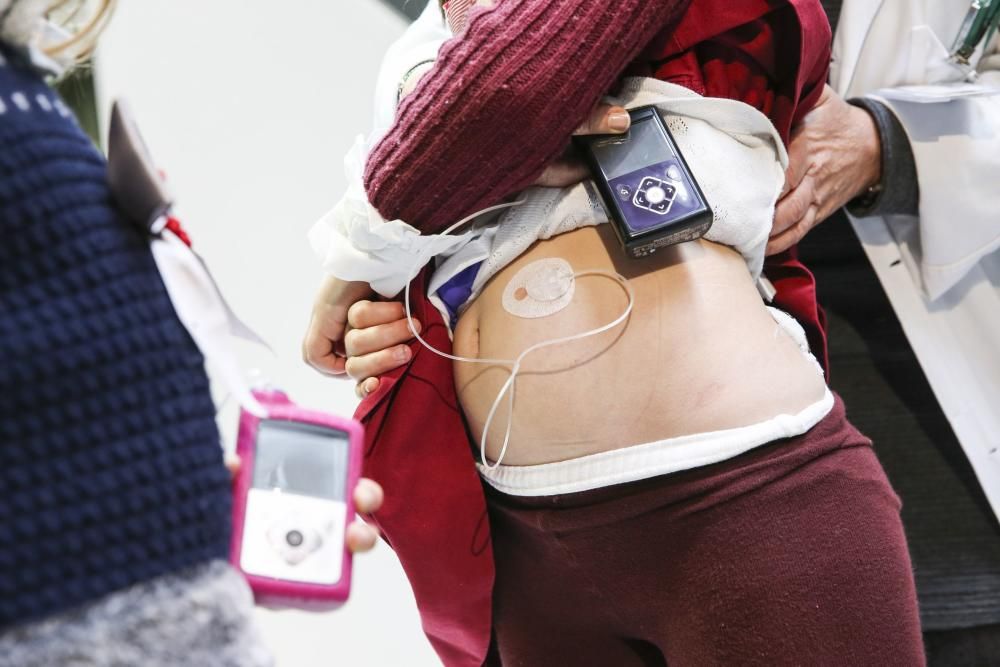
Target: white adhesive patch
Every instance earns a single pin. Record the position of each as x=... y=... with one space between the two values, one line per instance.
x=540 y=289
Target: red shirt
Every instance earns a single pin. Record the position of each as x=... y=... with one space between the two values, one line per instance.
x=772 y=54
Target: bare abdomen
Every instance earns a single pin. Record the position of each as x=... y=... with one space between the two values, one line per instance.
x=699 y=353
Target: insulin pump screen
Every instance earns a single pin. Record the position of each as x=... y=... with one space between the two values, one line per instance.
x=647 y=177
x=302 y=459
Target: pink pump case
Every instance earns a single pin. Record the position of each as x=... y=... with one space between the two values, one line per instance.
x=275 y=591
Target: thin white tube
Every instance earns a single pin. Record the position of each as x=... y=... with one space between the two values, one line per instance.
x=515 y=364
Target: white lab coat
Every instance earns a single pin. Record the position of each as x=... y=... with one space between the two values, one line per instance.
x=941 y=271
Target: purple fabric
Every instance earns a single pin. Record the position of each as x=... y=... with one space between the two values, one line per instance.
x=456 y=291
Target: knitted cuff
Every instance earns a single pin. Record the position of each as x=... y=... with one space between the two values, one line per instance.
x=899 y=192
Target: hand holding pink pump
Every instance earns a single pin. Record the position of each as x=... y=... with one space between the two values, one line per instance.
x=294 y=490
x=293 y=502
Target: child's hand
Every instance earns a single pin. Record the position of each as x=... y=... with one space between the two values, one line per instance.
x=376 y=342
x=323 y=345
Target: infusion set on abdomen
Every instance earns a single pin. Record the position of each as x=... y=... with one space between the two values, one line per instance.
x=651 y=195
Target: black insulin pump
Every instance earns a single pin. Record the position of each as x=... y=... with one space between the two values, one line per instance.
x=651 y=195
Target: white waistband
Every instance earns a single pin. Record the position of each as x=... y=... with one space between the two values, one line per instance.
x=631 y=464
x=652 y=459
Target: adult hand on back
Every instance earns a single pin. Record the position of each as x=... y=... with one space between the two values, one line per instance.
x=833 y=157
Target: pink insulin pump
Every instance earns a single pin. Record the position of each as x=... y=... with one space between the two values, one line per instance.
x=293 y=501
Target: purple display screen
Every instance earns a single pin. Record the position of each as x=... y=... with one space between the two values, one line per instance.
x=647 y=176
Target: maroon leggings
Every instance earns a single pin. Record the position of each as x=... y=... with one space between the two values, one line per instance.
x=791 y=554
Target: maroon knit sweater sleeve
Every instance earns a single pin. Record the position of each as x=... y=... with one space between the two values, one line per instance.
x=502 y=101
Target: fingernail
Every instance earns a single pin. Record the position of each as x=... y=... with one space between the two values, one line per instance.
x=416 y=326
x=619 y=121
x=402 y=353
x=371 y=384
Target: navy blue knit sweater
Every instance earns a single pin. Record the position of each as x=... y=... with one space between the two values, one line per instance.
x=110 y=467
